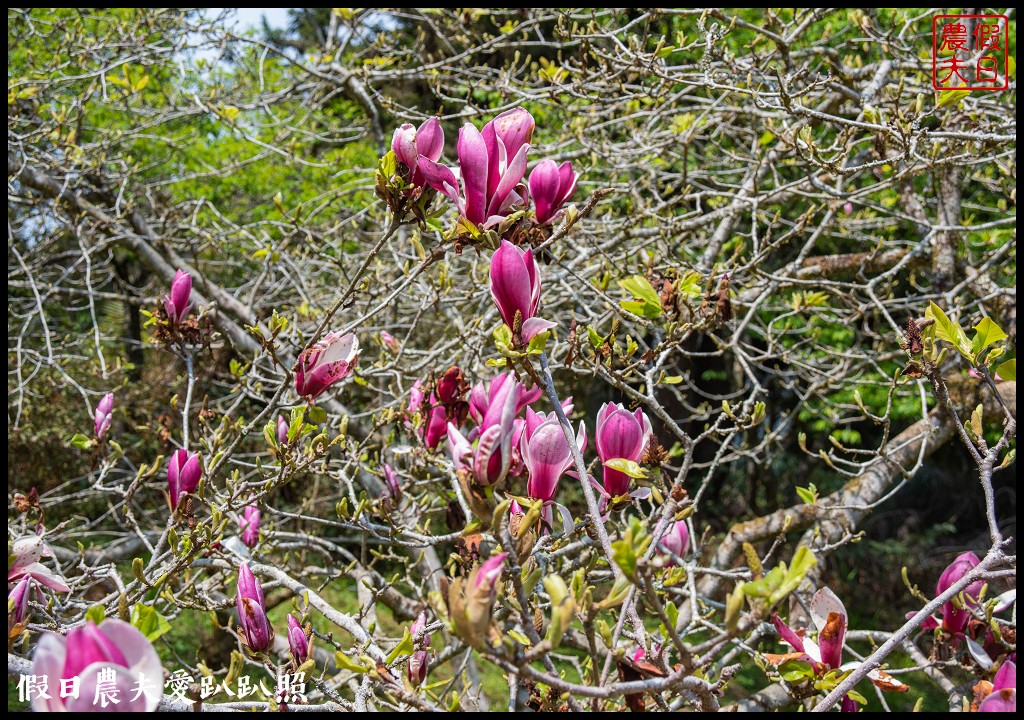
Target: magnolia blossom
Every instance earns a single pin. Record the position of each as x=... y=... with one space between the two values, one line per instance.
x=177 y=302
x=114 y=648
x=546 y=453
x=410 y=144
x=250 y=524
x=492 y=163
x=620 y=434
x=490 y=460
x=183 y=474
x=444 y=405
x=282 y=430
x=324 y=364
x=17 y=600
x=390 y=342
x=515 y=286
x=1003 y=697
x=252 y=612
x=419 y=661
x=675 y=541
x=298 y=642
x=831 y=619
x=487 y=402
x=954 y=618
x=551 y=185
x=27 y=552
x=104 y=414
x=392 y=485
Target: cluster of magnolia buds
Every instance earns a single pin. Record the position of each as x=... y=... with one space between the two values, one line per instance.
x=444 y=403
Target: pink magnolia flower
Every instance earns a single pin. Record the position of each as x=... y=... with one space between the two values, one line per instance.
x=546 y=453
x=492 y=163
x=112 y=648
x=177 y=303
x=419 y=661
x=1003 y=697
x=551 y=185
x=515 y=286
x=282 y=430
x=17 y=600
x=298 y=642
x=392 y=485
x=250 y=524
x=489 y=572
x=444 y=405
x=955 y=619
x=183 y=474
x=252 y=612
x=490 y=460
x=390 y=342
x=676 y=541
x=410 y=144
x=324 y=364
x=104 y=414
x=27 y=552
x=620 y=434
x=487 y=402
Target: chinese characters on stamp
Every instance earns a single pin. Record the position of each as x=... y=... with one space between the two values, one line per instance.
x=970 y=52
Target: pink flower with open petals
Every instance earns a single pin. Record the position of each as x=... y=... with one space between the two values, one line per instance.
x=113 y=648
x=324 y=364
x=492 y=163
x=1003 y=697
x=410 y=144
x=546 y=454
x=27 y=553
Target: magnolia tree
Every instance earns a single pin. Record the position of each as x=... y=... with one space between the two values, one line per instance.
x=573 y=411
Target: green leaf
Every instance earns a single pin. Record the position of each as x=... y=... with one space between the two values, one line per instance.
x=596 y=340
x=316 y=414
x=950 y=97
x=795 y=671
x=647 y=303
x=149 y=622
x=405 y=647
x=344 y=662
x=950 y=331
x=82 y=442
x=1008 y=370
x=629 y=467
x=986 y=333
x=96 y=613
x=767 y=585
x=808 y=494
x=803 y=560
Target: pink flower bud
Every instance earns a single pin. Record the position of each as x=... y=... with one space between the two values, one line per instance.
x=183 y=474
x=420 y=659
x=390 y=342
x=848 y=208
x=551 y=186
x=252 y=612
x=282 y=430
x=298 y=642
x=676 y=541
x=327 y=362
x=17 y=600
x=955 y=619
x=620 y=434
x=489 y=572
x=486 y=403
x=111 y=647
x=515 y=287
x=250 y=524
x=392 y=485
x=104 y=414
x=177 y=303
